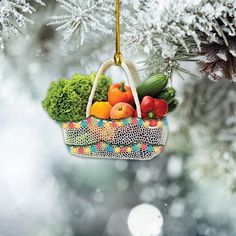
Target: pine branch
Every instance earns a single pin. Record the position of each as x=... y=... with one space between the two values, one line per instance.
x=81 y=18
x=173 y=33
x=13 y=17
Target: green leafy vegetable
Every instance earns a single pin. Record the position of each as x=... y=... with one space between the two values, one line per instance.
x=66 y=100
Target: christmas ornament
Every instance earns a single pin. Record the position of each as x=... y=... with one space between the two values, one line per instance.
x=115 y=125
x=124 y=138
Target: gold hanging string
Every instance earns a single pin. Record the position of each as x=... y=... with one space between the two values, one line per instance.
x=118 y=55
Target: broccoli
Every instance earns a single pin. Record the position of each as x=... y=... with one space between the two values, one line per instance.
x=66 y=100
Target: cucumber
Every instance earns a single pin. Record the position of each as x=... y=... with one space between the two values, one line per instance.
x=173 y=105
x=167 y=94
x=152 y=86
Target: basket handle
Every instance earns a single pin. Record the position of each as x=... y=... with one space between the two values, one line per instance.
x=129 y=76
x=133 y=71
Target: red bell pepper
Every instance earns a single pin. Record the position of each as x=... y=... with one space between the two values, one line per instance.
x=161 y=107
x=153 y=108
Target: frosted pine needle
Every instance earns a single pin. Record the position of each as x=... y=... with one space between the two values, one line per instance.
x=174 y=30
x=81 y=18
x=13 y=17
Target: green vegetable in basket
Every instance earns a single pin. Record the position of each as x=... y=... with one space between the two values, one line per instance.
x=152 y=86
x=173 y=105
x=66 y=100
x=167 y=94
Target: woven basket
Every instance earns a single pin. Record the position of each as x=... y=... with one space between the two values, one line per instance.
x=129 y=138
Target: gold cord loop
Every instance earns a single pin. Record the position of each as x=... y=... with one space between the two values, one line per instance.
x=118 y=55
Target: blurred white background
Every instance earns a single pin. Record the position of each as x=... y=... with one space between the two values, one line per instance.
x=45 y=191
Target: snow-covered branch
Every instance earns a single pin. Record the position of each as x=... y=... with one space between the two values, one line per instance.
x=81 y=18
x=13 y=17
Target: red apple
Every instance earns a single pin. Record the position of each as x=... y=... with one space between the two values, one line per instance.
x=121 y=110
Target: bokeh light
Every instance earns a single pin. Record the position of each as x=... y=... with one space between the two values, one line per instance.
x=145 y=220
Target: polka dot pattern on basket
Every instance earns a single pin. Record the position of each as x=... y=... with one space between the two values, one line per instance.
x=129 y=138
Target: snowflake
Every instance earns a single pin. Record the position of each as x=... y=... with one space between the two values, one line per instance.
x=12 y=17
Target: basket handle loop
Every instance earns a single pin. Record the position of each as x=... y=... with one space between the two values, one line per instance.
x=129 y=76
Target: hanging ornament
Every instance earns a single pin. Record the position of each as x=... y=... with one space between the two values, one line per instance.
x=119 y=122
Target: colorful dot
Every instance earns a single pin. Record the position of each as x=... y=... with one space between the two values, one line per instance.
x=107 y=124
x=153 y=123
x=117 y=150
x=165 y=122
x=125 y=122
x=129 y=149
x=100 y=123
x=89 y=120
x=81 y=150
x=87 y=150
x=134 y=121
x=93 y=148
x=99 y=145
x=144 y=146
x=71 y=125
x=140 y=122
x=83 y=123
x=110 y=148
x=73 y=150
x=104 y=145
x=135 y=147
x=119 y=123
x=65 y=126
x=159 y=123
x=150 y=148
x=129 y=119
x=77 y=125
x=114 y=125
x=146 y=123
x=123 y=149
x=156 y=149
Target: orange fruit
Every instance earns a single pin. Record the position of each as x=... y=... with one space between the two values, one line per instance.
x=101 y=110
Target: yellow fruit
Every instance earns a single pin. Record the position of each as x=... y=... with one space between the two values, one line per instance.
x=101 y=110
